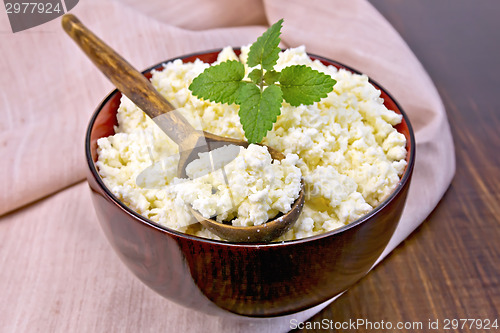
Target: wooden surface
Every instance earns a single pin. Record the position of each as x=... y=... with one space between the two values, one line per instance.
x=59 y=273
x=449 y=268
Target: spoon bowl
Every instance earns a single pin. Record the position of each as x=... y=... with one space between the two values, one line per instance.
x=191 y=142
x=257 y=233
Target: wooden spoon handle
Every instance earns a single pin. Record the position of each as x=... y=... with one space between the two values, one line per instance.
x=128 y=80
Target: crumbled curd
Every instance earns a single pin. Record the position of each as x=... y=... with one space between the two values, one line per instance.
x=345 y=147
x=249 y=190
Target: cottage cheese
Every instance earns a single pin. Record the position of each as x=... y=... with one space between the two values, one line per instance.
x=348 y=152
x=249 y=190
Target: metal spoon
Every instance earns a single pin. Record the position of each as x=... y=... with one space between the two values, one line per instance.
x=190 y=141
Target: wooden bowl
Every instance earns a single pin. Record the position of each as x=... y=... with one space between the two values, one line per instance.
x=254 y=280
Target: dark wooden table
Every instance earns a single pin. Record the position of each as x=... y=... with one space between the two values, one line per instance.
x=449 y=268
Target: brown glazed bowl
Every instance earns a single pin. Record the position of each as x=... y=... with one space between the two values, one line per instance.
x=252 y=280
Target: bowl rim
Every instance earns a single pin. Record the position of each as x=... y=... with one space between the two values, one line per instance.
x=401 y=183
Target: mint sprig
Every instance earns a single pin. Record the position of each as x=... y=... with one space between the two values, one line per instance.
x=221 y=83
x=303 y=85
x=261 y=96
x=265 y=51
x=259 y=110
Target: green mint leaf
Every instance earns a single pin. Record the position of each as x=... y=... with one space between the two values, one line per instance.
x=260 y=106
x=303 y=85
x=256 y=76
x=271 y=77
x=259 y=110
x=265 y=51
x=220 y=83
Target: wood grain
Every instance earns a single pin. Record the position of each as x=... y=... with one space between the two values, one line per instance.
x=60 y=275
x=449 y=267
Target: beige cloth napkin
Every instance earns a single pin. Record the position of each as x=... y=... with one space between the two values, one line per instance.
x=58 y=272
